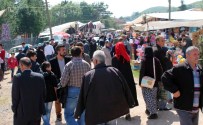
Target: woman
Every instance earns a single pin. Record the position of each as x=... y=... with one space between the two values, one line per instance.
x=121 y=61
x=51 y=86
x=150 y=95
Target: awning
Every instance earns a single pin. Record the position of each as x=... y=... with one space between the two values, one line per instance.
x=2 y=12
x=156 y=25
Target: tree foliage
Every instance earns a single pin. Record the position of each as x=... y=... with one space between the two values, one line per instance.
x=25 y=17
x=83 y=12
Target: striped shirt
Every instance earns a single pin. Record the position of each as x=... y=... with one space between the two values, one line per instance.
x=73 y=72
x=196 y=77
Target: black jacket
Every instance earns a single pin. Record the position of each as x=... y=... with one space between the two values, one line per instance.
x=55 y=66
x=104 y=95
x=28 y=96
x=40 y=57
x=61 y=92
x=36 y=67
x=147 y=70
x=51 y=84
x=160 y=53
x=181 y=78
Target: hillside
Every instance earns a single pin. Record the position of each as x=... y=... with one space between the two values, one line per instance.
x=161 y=9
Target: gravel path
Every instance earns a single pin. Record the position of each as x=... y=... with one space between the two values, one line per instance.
x=138 y=115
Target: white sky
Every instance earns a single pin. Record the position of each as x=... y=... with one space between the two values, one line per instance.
x=127 y=7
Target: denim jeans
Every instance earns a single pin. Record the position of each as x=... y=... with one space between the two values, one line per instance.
x=46 y=118
x=48 y=57
x=12 y=72
x=71 y=103
x=187 y=118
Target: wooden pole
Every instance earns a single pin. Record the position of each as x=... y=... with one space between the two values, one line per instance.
x=48 y=18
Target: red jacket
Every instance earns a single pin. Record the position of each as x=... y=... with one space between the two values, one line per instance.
x=2 y=54
x=12 y=62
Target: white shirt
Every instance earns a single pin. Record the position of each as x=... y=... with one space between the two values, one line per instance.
x=48 y=50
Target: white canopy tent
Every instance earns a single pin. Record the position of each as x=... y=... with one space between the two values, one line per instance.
x=155 y=25
x=178 y=15
x=60 y=28
x=2 y=12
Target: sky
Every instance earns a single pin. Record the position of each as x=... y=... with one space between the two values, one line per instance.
x=127 y=7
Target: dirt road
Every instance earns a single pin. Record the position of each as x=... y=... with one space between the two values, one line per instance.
x=138 y=115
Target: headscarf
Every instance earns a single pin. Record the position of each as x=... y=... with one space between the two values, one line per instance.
x=121 y=51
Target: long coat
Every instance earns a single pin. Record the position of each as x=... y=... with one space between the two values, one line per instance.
x=125 y=68
x=104 y=95
x=28 y=96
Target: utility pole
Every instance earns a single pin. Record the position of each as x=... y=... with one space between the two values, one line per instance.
x=169 y=10
x=48 y=17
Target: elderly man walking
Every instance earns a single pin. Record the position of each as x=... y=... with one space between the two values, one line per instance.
x=185 y=81
x=104 y=94
x=28 y=95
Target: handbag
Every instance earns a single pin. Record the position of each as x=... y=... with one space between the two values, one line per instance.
x=148 y=81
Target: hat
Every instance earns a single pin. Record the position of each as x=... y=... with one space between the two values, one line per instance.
x=12 y=53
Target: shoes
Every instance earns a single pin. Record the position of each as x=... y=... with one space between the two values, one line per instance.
x=128 y=117
x=147 y=112
x=153 y=116
x=165 y=109
x=58 y=118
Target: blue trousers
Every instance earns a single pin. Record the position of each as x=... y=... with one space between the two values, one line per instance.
x=46 y=118
x=71 y=103
x=187 y=118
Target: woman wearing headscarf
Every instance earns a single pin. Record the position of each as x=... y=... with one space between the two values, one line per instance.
x=150 y=95
x=121 y=61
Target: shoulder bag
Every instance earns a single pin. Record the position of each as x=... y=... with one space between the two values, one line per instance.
x=148 y=81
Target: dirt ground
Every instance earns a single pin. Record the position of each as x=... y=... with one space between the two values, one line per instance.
x=137 y=113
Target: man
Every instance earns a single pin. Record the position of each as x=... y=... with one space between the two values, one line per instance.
x=20 y=54
x=185 y=81
x=58 y=63
x=85 y=56
x=104 y=94
x=161 y=53
x=72 y=78
x=18 y=57
x=2 y=56
x=24 y=48
x=186 y=42
x=107 y=51
x=33 y=57
x=28 y=95
x=48 y=51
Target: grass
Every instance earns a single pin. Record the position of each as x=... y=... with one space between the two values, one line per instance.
x=136 y=73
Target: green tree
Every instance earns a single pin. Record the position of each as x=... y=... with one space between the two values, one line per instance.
x=65 y=12
x=30 y=17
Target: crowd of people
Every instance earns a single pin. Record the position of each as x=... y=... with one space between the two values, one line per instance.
x=93 y=80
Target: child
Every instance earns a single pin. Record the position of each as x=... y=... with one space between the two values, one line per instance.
x=12 y=63
x=51 y=86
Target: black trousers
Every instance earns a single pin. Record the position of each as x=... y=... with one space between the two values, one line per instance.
x=3 y=67
x=24 y=121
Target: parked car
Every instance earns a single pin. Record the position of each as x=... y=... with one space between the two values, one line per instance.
x=15 y=49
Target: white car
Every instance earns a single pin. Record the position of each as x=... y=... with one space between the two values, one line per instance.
x=15 y=49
